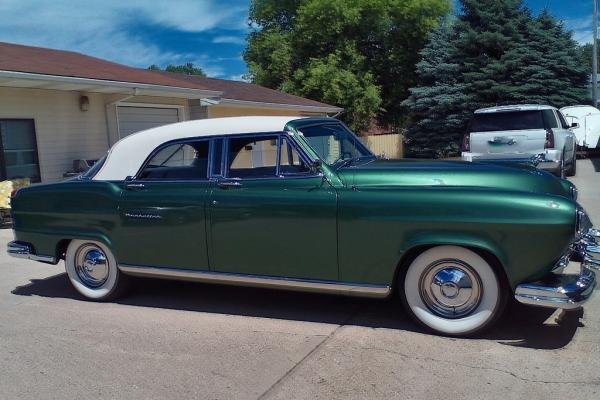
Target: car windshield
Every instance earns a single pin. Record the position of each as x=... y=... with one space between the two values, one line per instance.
x=335 y=144
x=507 y=121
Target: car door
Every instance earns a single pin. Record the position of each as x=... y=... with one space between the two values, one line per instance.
x=270 y=214
x=162 y=210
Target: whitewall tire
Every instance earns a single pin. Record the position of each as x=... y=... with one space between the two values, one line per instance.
x=452 y=290
x=93 y=270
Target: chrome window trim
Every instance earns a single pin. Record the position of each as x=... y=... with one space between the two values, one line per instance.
x=167 y=144
x=263 y=281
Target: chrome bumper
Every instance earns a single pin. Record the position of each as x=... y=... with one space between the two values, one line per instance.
x=25 y=250
x=566 y=291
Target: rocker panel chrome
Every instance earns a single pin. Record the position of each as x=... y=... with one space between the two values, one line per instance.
x=348 y=289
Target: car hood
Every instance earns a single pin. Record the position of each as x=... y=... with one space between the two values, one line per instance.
x=518 y=177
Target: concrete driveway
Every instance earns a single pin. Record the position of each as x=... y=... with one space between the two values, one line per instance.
x=171 y=340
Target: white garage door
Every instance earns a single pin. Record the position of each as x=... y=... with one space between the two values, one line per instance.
x=135 y=119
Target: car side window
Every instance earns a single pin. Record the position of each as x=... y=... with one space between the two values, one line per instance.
x=290 y=162
x=549 y=119
x=178 y=161
x=563 y=121
x=252 y=157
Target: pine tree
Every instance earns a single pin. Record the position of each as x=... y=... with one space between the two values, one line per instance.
x=501 y=54
x=438 y=102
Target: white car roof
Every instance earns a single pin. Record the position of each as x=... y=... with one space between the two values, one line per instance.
x=127 y=155
x=516 y=107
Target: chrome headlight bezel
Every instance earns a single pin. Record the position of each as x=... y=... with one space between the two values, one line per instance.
x=582 y=222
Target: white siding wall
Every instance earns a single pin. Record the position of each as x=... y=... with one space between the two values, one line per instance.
x=63 y=132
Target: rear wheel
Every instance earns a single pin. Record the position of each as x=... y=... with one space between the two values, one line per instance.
x=452 y=290
x=572 y=170
x=93 y=270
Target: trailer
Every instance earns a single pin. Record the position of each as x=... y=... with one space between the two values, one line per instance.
x=587 y=128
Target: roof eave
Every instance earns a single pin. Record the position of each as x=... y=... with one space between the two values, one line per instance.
x=57 y=82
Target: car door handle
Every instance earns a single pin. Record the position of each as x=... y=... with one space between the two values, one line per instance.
x=135 y=186
x=229 y=184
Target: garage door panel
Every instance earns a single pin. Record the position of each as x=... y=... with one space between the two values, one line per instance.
x=135 y=119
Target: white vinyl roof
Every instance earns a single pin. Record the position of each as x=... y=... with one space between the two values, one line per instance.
x=127 y=155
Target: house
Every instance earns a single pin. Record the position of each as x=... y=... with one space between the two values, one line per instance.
x=59 y=106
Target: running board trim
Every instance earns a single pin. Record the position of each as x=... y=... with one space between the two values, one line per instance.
x=348 y=289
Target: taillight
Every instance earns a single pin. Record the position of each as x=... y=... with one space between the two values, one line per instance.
x=466 y=144
x=549 y=139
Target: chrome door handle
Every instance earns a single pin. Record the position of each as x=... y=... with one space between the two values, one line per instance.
x=135 y=186
x=229 y=184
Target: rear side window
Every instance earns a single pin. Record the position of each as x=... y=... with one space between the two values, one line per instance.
x=507 y=121
x=549 y=119
x=563 y=121
x=179 y=161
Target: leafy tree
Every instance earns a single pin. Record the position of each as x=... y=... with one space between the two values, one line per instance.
x=187 y=69
x=359 y=54
x=501 y=54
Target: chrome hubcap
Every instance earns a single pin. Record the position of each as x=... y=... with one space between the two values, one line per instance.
x=450 y=288
x=91 y=265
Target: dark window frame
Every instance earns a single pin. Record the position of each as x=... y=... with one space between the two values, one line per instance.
x=35 y=142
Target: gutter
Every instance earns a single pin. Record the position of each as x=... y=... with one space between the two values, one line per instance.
x=197 y=93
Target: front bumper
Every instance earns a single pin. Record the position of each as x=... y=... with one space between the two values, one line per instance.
x=25 y=250
x=567 y=292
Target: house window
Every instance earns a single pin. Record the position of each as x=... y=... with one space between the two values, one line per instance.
x=18 y=150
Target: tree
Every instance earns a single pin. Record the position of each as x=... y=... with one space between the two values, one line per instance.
x=187 y=69
x=358 y=54
x=586 y=56
x=501 y=55
x=438 y=101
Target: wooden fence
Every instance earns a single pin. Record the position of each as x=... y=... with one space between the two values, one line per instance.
x=387 y=146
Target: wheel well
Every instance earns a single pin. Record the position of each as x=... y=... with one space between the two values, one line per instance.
x=61 y=248
x=412 y=253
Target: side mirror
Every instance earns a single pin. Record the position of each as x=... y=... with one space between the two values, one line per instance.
x=574 y=125
x=315 y=166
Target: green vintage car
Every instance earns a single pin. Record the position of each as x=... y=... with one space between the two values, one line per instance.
x=302 y=204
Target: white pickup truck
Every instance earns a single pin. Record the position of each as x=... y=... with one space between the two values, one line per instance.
x=588 y=120
x=522 y=133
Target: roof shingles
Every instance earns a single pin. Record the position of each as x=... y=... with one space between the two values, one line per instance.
x=38 y=60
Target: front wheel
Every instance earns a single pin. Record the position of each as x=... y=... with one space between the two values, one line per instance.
x=93 y=270
x=452 y=290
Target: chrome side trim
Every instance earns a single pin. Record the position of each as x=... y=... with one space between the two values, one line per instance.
x=25 y=250
x=348 y=289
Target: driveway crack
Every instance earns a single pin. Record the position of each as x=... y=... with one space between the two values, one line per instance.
x=406 y=356
x=301 y=361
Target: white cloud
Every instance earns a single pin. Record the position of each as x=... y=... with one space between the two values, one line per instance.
x=101 y=29
x=582 y=29
x=229 y=39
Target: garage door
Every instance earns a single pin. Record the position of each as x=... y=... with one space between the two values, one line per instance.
x=135 y=119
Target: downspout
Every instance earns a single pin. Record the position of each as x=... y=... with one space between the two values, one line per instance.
x=107 y=107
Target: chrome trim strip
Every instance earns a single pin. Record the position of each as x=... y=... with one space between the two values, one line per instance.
x=348 y=289
x=24 y=250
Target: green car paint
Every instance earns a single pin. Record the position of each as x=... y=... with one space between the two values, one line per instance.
x=355 y=224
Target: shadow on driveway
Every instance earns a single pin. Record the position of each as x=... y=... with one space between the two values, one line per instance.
x=520 y=326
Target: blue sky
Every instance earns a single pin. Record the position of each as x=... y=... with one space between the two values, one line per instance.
x=209 y=33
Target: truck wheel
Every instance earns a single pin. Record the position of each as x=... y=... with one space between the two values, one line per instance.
x=452 y=291
x=572 y=171
x=93 y=270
